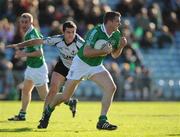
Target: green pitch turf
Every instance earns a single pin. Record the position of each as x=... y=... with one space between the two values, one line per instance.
x=134 y=119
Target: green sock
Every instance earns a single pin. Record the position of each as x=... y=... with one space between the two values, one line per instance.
x=22 y=113
x=102 y=118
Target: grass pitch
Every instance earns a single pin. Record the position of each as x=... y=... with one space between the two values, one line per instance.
x=134 y=119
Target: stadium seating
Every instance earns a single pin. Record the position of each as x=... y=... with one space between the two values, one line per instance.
x=164 y=65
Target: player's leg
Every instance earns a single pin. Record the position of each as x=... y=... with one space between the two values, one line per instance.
x=104 y=80
x=26 y=98
x=26 y=94
x=42 y=91
x=70 y=87
x=72 y=103
x=74 y=77
x=57 y=81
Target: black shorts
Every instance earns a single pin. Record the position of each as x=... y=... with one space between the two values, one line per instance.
x=61 y=68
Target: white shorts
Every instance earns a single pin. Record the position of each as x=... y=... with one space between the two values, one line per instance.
x=80 y=70
x=38 y=75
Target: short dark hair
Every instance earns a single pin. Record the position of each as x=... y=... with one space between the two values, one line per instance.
x=110 y=16
x=69 y=24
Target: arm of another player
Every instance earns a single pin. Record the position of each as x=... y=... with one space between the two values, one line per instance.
x=19 y=54
x=28 y=43
x=117 y=52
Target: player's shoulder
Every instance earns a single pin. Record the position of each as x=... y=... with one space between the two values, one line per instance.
x=55 y=38
x=98 y=26
x=34 y=33
x=96 y=30
x=79 y=38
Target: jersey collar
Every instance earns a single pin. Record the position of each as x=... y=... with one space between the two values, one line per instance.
x=103 y=28
x=74 y=40
x=29 y=30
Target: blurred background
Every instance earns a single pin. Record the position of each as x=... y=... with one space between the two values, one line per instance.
x=148 y=69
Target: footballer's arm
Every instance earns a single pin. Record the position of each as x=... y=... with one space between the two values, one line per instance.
x=117 y=52
x=91 y=52
x=28 y=43
x=20 y=53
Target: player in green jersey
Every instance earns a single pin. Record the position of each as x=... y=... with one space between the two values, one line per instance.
x=68 y=45
x=36 y=73
x=88 y=64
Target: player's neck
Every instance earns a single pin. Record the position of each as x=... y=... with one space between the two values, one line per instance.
x=109 y=30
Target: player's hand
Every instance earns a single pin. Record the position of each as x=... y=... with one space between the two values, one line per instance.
x=19 y=54
x=108 y=48
x=123 y=42
x=11 y=46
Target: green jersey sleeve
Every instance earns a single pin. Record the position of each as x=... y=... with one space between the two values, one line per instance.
x=91 y=37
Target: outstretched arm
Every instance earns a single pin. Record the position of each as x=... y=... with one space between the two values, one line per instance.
x=116 y=53
x=27 y=43
x=20 y=54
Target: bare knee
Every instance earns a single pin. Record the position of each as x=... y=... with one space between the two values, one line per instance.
x=52 y=92
x=111 y=89
x=26 y=92
x=43 y=96
x=114 y=88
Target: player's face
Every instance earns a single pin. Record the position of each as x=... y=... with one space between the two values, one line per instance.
x=25 y=23
x=69 y=34
x=116 y=23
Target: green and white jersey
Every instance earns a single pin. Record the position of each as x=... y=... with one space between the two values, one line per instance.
x=98 y=33
x=33 y=62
